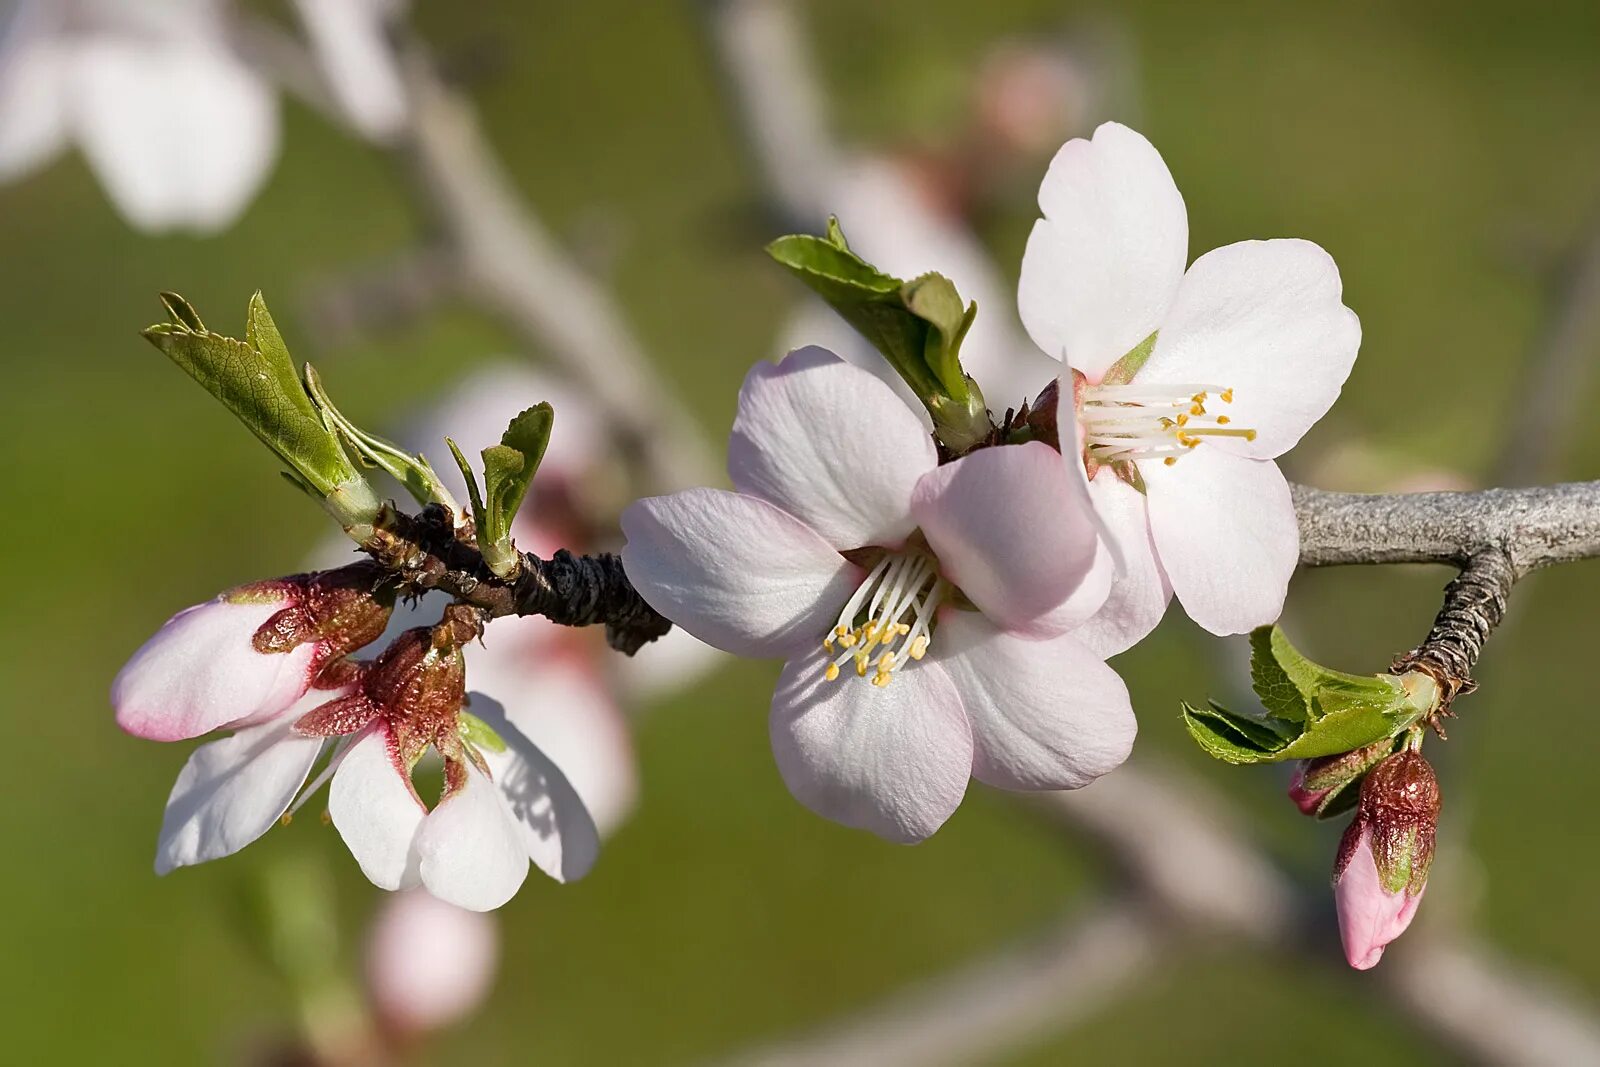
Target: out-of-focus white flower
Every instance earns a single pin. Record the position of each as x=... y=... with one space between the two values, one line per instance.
x=428 y=964
x=349 y=40
x=179 y=130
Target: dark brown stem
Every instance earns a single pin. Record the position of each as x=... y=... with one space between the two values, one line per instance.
x=1474 y=603
x=427 y=553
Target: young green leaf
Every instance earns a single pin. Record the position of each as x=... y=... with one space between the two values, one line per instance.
x=508 y=470
x=256 y=381
x=412 y=471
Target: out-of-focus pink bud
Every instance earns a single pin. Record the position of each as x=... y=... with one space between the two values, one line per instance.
x=1329 y=785
x=1383 y=862
x=247 y=655
x=428 y=964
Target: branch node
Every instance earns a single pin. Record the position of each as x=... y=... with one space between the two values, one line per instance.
x=1474 y=603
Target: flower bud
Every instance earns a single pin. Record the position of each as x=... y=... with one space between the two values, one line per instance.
x=428 y=963
x=1324 y=786
x=249 y=654
x=1382 y=867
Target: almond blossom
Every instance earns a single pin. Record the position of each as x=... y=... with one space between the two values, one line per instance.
x=177 y=127
x=923 y=608
x=1382 y=868
x=1188 y=384
x=428 y=964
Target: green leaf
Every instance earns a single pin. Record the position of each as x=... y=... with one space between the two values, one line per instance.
x=474 y=731
x=933 y=299
x=412 y=471
x=479 y=518
x=508 y=470
x=1311 y=710
x=256 y=380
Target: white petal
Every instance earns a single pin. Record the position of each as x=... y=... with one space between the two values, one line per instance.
x=1225 y=530
x=556 y=830
x=182 y=135
x=1045 y=714
x=201 y=672
x=894 y=760
x=377 y=811
x=348 y=36
x=1013 y=527
x=1140 y=593
x=1267 y=319
x=470 y=850
x=832 y=445
x=736 y=572
x=562 y=705
x=231 y=791
x=33 y=125
x=814 y=323
x=1103 y=264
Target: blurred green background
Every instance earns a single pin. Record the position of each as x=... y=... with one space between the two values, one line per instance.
x=1447 y=154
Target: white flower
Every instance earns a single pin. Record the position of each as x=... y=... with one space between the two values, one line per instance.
x=1251 y=347
x=922 y=607
x=180 y=131
x=348 y=37
x=428 y=964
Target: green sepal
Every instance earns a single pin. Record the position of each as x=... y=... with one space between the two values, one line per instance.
x=1311 y=711
x=256 y=381
x=1123 y=370
x=918 y=326
x=508 y=470
x=474 y=731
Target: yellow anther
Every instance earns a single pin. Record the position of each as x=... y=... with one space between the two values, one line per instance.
x=1191 y=442
x=1170 y=460
x=827 y=644
x=1223 y=420
x=285 y=819
x=1227 y=395
x=881 y=679
x=1183 y=420
x=919 y=647
x=861 y=666
x=886 y=661
x=1198 y=409
x=1166 y=423
x=1249 y=435
x=1199 y=398
x=832 y=673
x=327 y=817
x=848 y=640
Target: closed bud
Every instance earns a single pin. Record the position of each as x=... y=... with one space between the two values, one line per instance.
x=1384 y=857
x=1330 y=785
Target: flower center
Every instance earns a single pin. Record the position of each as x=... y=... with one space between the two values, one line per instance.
x=1137 y=421
x=889 y=620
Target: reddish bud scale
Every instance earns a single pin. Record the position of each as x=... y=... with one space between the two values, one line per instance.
x=1320 y=786
x=1399 y=807
x=342 y=610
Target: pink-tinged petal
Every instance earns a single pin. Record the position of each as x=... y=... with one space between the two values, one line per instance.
x=348 y=37
x=1264 y=318
x=562 y=705
x=377 y=811
x=469 y=848
x=736 y=572
x=181 y=134
x=1369 y=916
x=894 y=760
x=556 y=830
x=200 y=672
x=428 y=964
x=832 y=445
x=1045 y=714
x=33 y=126
x=1103 y=264
x=1225 y=530
x=1140 y=593
x=1013 y=527
x=231 y=791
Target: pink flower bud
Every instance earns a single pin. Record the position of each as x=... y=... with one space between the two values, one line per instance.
x=428 y=964
x=247 y=655
x=1383 y=862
